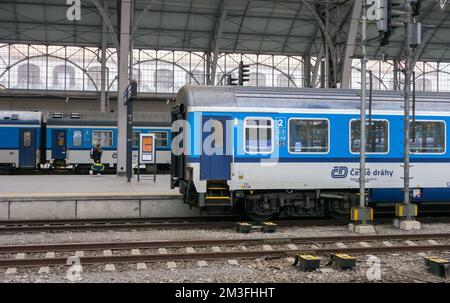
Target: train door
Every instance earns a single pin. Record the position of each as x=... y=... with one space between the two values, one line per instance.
x=215 y=165
x=59 y=144
x=27 y=147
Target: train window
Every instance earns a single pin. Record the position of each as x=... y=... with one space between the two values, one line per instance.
x=377 y=139
x=104 y=137
x=258 y=135
x=77 y=138
x=429 y=137
x=161 y=139
x=136 y=139
x=308 y=136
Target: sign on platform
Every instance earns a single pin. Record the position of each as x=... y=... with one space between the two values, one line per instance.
x=147 y=148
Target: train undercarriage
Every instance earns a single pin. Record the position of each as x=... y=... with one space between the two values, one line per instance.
x=261 y=205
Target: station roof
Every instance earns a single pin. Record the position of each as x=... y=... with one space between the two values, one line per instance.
x=289 y=27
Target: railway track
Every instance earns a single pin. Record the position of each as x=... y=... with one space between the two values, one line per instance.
x=219 y=249
x=151 y=223
x=169 y=223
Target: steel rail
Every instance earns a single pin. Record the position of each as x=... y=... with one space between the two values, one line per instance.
x=212 y=242
x=146 y=224
x=151 y=258
x=158 y=223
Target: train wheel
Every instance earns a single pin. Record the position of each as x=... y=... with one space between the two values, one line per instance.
x=254 y=211
x=336 y=210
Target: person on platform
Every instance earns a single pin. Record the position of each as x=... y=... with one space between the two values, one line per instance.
x=96 y=155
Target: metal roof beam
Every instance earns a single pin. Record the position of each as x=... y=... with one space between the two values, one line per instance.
x=240 y=24
x=216 y=41
x=419 y=51
x=291 y=27
x=351 y=44
x=188 y=18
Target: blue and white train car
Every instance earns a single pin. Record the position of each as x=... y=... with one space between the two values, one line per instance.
x=70 y=139
x=20 y=140
x=296 y=151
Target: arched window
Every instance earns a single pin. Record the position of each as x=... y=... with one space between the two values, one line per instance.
x=137 y=76
x=95 y=72
x=282 y=80
x=423 y=84
x=164 y=80
x=376 y=84
x=29 y=73
x=220 y=78
x=63 y=76
x=257 y=79
x=197 y=78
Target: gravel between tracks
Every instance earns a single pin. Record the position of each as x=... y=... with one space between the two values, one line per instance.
x=394 y=267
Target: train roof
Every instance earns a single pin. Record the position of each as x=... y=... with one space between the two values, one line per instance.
x=15 y=117
x=247 y=97
x=107 y=119
x=102 y=123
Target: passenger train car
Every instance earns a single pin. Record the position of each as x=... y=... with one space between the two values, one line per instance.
x=296 y=151
x=20 y=140
x=31 y=140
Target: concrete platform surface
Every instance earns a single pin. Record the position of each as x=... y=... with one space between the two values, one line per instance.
x=36 y=186
x=88 y=197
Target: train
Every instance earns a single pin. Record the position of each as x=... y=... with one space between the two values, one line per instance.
x=295 y=151
x=38 y=141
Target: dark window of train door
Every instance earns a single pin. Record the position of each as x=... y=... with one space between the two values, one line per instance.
x=215 y=166
x=59 y=144
x=27 y=151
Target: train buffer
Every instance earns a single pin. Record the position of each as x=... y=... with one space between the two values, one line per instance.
x=438 y=266
x=265 y=227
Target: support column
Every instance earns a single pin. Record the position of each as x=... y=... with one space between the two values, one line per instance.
x=104 y=106
x=362 y=216
x=307 y=71
x=125 y=23
x=208 y=68
x=217 y=38
x=406 y=211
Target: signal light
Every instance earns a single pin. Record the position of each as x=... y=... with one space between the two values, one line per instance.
x=416 y=6
x=392 y=14
x=231 y=80
x=244 y=73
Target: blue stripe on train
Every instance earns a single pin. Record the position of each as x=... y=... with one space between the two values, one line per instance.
x=395 y=195
x=329 y=160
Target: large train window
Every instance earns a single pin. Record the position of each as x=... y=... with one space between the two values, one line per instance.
x=104 y=137
x=377 y=136
x=429 y=137
x=308 y=136
x=77 y=138
x=258 y=135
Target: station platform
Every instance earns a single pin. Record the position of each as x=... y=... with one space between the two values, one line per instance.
x=47 y=197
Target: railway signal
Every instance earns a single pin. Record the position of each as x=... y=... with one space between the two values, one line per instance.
x=244 y=73
x=392 y=14
x=231 y=80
